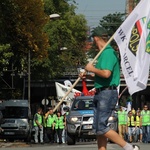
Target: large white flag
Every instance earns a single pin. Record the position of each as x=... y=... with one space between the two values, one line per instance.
x=128 y=37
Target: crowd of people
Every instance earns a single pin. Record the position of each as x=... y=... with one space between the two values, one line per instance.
x=134 y=125
x=49 y=127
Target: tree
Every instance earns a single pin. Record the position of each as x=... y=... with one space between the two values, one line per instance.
x=26 y=27
x=68 y=31
x=21 y=24
x=111 y=23
x=22 y=27
x=5 y=55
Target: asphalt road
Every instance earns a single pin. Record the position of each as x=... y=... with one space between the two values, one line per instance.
x=80 y=145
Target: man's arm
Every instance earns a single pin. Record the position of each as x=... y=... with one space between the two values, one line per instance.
x=101 y=73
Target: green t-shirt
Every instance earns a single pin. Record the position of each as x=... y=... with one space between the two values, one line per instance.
x=108 y=60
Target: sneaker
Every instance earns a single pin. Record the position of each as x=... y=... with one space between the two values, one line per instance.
x=136 y=147
x=140 y=141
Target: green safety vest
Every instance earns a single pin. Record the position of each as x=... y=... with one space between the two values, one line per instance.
x=39 y=118
x=145 y=117
x=59 y=123
x=122 y=117
x=50 y=120
x=44 y=121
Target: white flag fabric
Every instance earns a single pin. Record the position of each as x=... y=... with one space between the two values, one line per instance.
x=61 y=90
x=128 y=36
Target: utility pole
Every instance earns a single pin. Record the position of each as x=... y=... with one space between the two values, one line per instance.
x=29 y=80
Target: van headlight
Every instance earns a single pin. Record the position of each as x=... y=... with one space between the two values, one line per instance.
x=111 y=119
x=75 y=119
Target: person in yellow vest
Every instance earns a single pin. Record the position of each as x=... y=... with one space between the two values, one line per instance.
x=145 y=123
x=122 y=121
x=139 y=132
x=50 y=121
x=131 y=126
x=59 y=126
x=38 y=126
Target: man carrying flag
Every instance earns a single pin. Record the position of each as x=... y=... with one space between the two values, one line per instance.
x=106 y=79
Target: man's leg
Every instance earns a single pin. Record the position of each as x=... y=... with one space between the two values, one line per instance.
x=113 y=136
x=41 y=135
x=125 y=137
x=120 y=130
x=36 y=134
x=148 y=133
x=144 y=134
x=101 y=142
x=130 y=134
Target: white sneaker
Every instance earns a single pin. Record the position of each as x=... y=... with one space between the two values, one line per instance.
x=136 y=147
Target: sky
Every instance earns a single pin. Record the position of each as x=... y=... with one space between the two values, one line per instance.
x=94 y=10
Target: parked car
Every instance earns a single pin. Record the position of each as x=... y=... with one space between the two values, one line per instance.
x=16 y=122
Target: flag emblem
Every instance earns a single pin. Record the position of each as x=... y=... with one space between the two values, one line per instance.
x=135 y=35
x=148 y=39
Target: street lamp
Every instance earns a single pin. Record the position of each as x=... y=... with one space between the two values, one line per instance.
x=52 y=16
x=63 y=48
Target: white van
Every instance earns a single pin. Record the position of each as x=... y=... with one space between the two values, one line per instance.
x=16 y=123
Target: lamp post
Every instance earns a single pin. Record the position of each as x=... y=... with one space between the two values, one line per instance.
x=29 y=80
x=45 y=101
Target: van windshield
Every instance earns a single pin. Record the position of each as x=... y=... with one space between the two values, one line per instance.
x=15 y=112
x=86 y=104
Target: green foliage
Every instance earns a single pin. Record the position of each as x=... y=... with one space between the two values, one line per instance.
x=21 y=26
x=111 y=23
x=26 y=26
x=5 y=55
x=67 y=31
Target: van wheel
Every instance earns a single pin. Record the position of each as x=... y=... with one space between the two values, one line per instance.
x=70 y=139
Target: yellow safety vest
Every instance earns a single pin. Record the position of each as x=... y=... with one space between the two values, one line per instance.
x=132 y=121
x=137 y=121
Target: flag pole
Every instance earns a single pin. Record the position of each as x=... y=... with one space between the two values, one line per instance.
x=56 y=107
x=122 y=92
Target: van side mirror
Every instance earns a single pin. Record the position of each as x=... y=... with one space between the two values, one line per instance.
x=30 y=117
x=66 y=109
x=117 y=107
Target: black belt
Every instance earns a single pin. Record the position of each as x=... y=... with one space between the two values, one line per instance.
x=106 y=88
